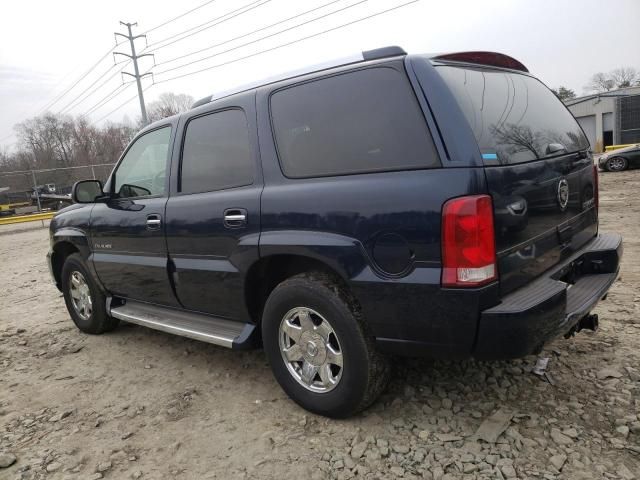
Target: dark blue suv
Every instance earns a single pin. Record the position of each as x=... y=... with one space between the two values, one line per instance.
x=392 y=204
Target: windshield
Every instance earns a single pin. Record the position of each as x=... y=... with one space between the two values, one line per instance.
x=514 y=117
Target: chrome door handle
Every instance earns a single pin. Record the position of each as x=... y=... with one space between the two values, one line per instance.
x=235 y=217
x=153 y=222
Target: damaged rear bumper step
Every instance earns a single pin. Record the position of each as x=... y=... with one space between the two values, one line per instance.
x=549 y=306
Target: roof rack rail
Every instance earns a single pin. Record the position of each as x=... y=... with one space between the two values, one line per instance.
x=202 y=101
x=392 y=51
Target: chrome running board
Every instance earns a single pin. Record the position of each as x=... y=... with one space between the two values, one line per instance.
x=197 y=326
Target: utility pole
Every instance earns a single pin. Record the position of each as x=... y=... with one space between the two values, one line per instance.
x=134 y=58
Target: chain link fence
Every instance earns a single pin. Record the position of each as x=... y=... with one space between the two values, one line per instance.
x=28 y=191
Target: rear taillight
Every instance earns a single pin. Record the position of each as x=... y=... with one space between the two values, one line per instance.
x=468 y=242
x=596 y=188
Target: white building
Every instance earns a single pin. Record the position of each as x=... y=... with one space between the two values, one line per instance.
x=609 y=118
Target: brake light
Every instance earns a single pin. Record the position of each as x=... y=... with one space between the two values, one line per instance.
x=596 y=188
x=468 y=242
x=492 y=59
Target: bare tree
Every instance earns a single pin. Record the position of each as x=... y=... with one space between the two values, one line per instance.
x=624 y=77
x=618 y=78
x=517 y=138
x=168 y=104
x=53 y=141
x=601 y=82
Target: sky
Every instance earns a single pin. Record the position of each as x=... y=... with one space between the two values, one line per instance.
x=46 y=46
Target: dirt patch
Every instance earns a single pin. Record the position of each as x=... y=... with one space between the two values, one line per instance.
x=137 y=403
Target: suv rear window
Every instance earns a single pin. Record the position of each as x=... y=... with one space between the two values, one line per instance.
x=217 y=153
x=362 y=121
x=514 y=117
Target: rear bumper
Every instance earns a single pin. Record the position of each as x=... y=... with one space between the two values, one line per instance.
x=552 y=304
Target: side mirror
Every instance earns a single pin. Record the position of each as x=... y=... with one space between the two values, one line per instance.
x=86 y=191
x=553 y=148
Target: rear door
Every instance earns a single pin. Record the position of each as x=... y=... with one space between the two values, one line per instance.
x=213 y=216
x=538 y=167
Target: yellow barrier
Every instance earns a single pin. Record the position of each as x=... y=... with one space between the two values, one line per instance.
x=615 y=147
x=26 y=218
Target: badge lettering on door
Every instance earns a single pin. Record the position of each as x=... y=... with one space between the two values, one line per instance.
x=101 y=245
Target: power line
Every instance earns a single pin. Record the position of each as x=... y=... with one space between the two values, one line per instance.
x=200 y=25
x=248 y=34
x=82 y=77
x=180 y=16
x=262 y=38
x=248 y=8
x=122 y=105
x=79 y=99
x=107 y=98
x=288 y=43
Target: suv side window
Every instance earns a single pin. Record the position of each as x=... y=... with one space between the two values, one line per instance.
x=217 y=153
x=362 y=121
x=141 y=172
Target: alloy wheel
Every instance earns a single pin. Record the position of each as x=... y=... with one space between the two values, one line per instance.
x=310 y=349
x=617 y=163
x=80 y=295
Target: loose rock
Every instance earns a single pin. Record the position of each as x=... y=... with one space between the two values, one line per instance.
x=608 y=373
x=560 y=438
x=493 y=426
x=7 y=459
x=103 y=467
x=558 y=461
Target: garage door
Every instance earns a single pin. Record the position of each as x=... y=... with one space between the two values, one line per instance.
x=588 y=124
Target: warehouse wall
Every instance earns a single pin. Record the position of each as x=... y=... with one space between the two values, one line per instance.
x=589 y=114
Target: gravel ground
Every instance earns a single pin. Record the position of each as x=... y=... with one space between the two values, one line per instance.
x=142 y=404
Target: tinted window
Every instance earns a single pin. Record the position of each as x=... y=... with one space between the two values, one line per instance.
x=217 y=153
x=514 y=117
x=142 y=170
x=363 y=121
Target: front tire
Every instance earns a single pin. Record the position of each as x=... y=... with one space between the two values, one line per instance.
x=319 y=348
x=617 y=164
x=85 y=301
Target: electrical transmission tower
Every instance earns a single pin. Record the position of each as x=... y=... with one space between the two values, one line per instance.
x=134 y=58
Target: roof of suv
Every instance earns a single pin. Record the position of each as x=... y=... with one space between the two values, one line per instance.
x=376 y=54
x=493 y=59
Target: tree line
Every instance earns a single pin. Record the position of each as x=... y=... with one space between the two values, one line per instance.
x=602 y=82
x=58 y=141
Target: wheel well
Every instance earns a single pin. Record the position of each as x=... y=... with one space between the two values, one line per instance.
x=60 y=253
x=268 y=272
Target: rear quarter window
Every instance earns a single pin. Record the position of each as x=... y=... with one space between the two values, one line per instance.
x=514 y=117
x=357 y=122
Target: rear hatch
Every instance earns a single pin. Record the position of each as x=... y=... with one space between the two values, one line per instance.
x=538 y=168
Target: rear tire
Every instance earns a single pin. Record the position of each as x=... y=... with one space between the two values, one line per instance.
x=617 y=164
x=354 y=372
x=85 y=301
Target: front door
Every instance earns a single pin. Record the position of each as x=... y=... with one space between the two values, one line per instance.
x=213 y=217
x=127 y=232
